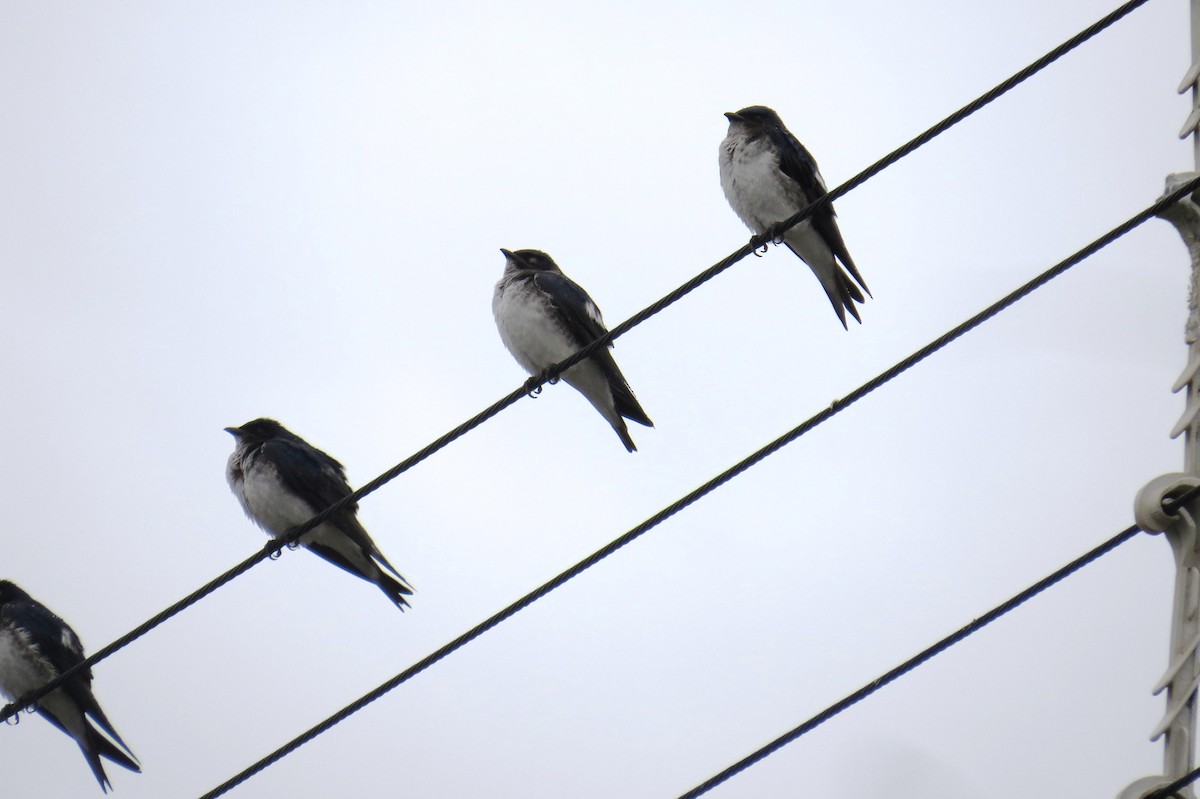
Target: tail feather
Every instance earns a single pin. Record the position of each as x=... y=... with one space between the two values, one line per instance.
x=624 y=402
x=619 y=426
x=97 y=715
x=394 y=589
x=93 y=761
x=386 y=564
x=847 y=295
x=96 y=745
x=628 y=406
x=839 y=288
x=73 y=710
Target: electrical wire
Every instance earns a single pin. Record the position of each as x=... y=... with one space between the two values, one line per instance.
x=836 y=407
x=1168 y=791
x=535 y=384
x=1169 y=504
x=912 y=663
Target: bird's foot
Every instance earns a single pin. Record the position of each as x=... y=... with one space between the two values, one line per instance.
x=761 y=244
x=274 y=548
x=534 y=385
x=292 y=538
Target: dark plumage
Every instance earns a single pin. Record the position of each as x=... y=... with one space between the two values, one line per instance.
x=37 y=646
x=283 y=481
x=544 y=317
x=768 y=176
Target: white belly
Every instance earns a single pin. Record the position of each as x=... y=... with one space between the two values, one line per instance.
x=20 y=672
x=268 y=502
x=528 y=329
x=757 y=191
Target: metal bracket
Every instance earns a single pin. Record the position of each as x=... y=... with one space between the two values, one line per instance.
x=1139 y=789
x=1182 y=677
x=1148 y=510
x=1185 y=216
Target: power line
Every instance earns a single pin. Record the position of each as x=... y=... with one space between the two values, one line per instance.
x=871 y=171
x=912 y=663
x=836 y=407
x=1169 y=791
x=276 y=545
x=958 y=116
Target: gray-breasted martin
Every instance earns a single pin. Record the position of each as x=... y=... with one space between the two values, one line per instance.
x=544 y=317
x=35 y=647
x=768 y=176
x=283 y=481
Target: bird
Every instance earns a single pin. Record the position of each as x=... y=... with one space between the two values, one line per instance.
x=37 y=646
x=544 y=317
x=283 y=481
x=768 y=176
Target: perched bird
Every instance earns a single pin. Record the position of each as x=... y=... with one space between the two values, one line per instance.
x=35 y=647
x=544 y=317
x=283 y=481
x=768 y=176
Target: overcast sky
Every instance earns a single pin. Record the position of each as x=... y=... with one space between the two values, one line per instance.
x=213 y=212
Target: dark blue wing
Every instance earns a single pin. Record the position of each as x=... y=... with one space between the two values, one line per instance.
x=797 y=163
x=585 y=324
x=56 y=642
x=308 y=472
x=321 y=481
x=574 y=306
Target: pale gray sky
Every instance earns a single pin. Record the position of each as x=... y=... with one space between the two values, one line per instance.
x=214 y=212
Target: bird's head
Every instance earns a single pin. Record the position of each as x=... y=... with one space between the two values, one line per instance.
x=9 y=592
x=529 y=260
x=257 y=431
x=754 y=116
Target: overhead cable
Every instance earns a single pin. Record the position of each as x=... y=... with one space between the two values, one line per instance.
x=1170 y=790
x=836 y=407
x=534 y=384
x=912 y=663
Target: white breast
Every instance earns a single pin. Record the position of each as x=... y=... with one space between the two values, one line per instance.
x=528 y=328
x=268 y=502
x=21 y=671
x=759 y=193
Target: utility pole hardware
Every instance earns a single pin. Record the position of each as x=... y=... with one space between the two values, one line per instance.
x=1178 y=725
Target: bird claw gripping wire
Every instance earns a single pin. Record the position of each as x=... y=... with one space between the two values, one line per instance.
x=535 y=384
x=761 y=243
x=14 y=719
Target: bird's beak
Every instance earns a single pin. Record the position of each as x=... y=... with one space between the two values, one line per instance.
x=233 y=431
x=732 y=116
x=507 y=253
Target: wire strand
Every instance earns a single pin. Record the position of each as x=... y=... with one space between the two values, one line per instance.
x=1168 y=791
x=276 y=545
x=776 y=232
x=836 y=407
x=912 y=663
